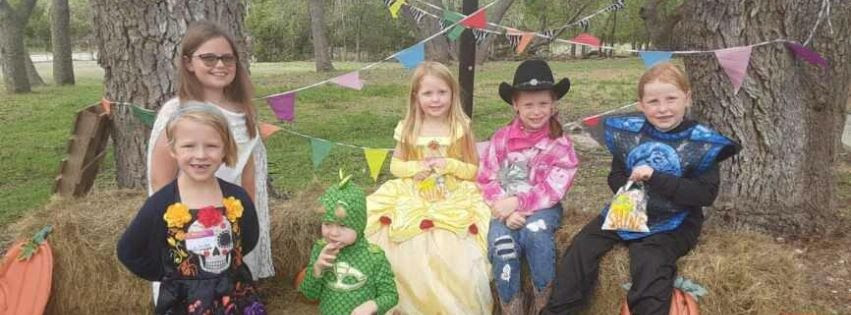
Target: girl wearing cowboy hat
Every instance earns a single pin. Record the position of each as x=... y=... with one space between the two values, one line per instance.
x=524 y=173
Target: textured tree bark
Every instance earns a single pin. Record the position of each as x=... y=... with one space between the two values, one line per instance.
x=659 y=24
x=788 y=114
x=32 y=74
x=320 y=40
x=60 y=39
x=495 y=15
x=13 y=54
x=138 y=42
x=437 y=49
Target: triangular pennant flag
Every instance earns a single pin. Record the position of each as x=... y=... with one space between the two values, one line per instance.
x=808 y=55
x=513 y=39
x=591 y=121
x=267 y=130
x=452 y=17
x=412 y=56
x=106 y=105
x=416 y=13
x=652 y=57
x=584 y=23
x=350 y=80
x=387 y=3
x=585 y=38
x=394 y=8
x=525 y=39
x=146 y=116
x=735 y=63
x=283 y=105
x=319 y=150
x=476 y=20
x=374 y=159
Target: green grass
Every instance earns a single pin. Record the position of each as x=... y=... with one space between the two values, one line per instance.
x=34 y=127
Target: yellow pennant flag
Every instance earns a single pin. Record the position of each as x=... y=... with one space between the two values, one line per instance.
x=395 y=7
x=375 y=159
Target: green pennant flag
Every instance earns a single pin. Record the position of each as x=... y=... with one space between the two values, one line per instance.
x=320 y=149
x=146 y=116
x=451 y=17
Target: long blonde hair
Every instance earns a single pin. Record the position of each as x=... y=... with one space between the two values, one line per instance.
x=464 y=148
x=239 y=91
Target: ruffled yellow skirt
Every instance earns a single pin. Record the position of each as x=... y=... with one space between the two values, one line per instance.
x=437 y=249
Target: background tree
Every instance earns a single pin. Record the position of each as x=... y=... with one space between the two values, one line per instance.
x=788 y=114
x=320 y=40
x=137 y=45
x=12 y=50
x=60 y=36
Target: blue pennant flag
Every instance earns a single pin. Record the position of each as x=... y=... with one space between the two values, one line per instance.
x=653 y=57
x=412 y=56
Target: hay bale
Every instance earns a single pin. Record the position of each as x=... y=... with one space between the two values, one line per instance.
x=87 y=276
x=745 y=272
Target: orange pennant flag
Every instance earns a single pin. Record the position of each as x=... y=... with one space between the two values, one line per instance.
x=524 y=41
x=266 y=130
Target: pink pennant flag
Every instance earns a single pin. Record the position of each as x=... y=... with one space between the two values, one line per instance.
x=283 y=106
x=350 y=80
x=585 y=38
x=524 y=41
x=735 y=63
x=476 y=20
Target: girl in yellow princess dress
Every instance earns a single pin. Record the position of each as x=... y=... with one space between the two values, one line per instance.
x=431 y=220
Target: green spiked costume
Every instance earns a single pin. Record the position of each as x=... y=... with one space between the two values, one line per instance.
x=361 y=272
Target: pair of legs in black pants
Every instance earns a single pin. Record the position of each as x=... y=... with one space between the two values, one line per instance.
x=652 y=266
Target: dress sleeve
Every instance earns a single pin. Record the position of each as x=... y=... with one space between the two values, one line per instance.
x=459 y=169
x=248 y=225
x=140 y=247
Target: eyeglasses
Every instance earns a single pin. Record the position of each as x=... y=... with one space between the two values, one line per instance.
x=210 y=60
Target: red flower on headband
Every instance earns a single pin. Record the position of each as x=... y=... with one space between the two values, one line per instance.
x=473 y=229
x=209 y=216
x=385 y=220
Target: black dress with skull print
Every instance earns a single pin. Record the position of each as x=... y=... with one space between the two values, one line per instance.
x=196 y=254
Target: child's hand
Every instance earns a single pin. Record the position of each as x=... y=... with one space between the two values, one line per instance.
x=421 y=175
x=367 y=308
x=326 y=258
x=641 y=173
x=515 y=220
x=437 y=162
x=504 y=207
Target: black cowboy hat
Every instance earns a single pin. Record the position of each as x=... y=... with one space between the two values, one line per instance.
x=533 y=75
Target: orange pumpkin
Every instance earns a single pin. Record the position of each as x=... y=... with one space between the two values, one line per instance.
x=681 y=304
x=25 y=284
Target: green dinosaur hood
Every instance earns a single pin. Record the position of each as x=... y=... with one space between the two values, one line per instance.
x=345 y=204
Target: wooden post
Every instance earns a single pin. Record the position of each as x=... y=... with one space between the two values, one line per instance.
x=467 y=60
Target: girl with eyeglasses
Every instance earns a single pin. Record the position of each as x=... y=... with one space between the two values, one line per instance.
x=209 y=71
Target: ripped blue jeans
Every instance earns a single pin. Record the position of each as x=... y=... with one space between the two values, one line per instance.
x=534 y=241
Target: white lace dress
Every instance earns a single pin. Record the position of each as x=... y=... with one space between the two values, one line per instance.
x=259 y=260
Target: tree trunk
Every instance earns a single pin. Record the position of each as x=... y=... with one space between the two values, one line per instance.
x=659 y=26
x=32 y=73
x=60 y=37
x=497 y=12
x=137 y=45
x=320 y=41
x=437 y=49
x=788 y=114
x=13 y=55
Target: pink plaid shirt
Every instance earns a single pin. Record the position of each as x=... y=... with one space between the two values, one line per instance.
x=551 y=165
